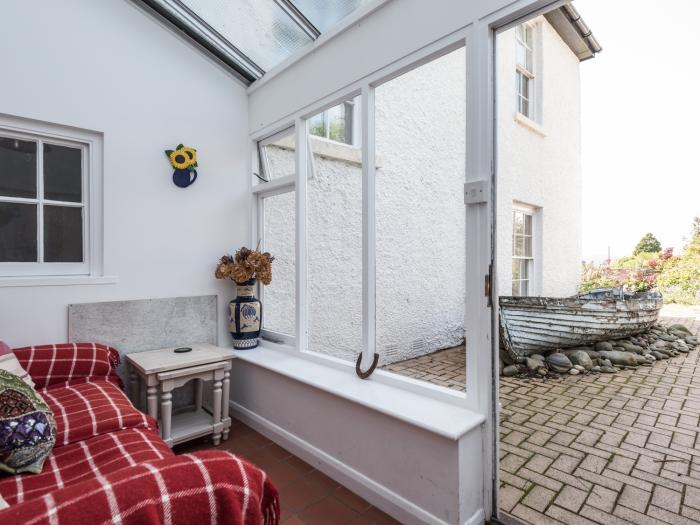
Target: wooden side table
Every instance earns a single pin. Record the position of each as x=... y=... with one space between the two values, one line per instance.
x=163 y=370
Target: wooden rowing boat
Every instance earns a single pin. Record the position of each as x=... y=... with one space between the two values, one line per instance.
x=538 y=324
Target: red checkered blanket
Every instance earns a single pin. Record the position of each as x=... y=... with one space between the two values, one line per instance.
x=207 y=487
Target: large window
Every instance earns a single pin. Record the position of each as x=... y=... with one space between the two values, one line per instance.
x=377 y=232
x=524 y=70
x=523 y=260
x=44 y=227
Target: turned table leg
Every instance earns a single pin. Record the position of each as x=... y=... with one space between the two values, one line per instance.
x=216 y=402
x=225 y=394
x=152 y=397
x=166 y=407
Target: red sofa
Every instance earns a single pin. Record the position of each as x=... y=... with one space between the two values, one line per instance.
x=109 y=461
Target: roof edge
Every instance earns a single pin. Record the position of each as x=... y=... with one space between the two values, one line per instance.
x=574 y=31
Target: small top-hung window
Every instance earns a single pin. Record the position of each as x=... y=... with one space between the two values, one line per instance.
x=336 y=123
x=524 y=70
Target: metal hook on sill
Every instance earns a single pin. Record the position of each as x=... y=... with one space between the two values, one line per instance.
x=358 y=370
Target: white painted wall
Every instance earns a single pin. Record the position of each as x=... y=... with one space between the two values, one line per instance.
x=541 y=171
x=108 y=67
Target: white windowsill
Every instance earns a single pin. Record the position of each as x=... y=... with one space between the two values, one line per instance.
x=530 y=124
x=64 y=280
x=440 y=417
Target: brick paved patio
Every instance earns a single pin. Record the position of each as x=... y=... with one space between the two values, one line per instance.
x=619 y=448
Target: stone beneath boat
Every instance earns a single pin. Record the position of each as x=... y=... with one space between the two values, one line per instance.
x=666 y=337
x=608 y=369
x=659 y=344
x=574 y=372
x=629 y=347
x=510 y=370
x=659 y=356
x=579 y=368
x=559 y=363
x=691 y=340
x=604 y=346
x=581 y=358
x=618 y=358
x=539 y=357
x=534 y=364
x=596 y=368
x=680 y=328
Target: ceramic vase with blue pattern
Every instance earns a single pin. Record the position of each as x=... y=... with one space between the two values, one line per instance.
x=245 y=317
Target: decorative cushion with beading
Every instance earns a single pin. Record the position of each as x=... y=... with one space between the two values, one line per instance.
x=27 y=426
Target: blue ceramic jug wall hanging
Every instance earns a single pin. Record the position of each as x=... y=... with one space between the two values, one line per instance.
x=184 y=160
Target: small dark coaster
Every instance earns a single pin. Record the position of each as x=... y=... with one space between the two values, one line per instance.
x=182 y=350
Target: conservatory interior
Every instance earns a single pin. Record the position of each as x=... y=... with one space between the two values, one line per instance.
x=353 y=140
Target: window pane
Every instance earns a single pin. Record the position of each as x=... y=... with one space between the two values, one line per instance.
x=18 y=231
x=63 y=179
x=278 y=156
x=63 y=234
x=279 y=239
x=519 y=246
x=259 y=28
x=17 y=168
x=516 y=269
x=317 y=125
x=527 y=250
x=518 y=223
x=524 y=269
x=336 y=124
x=420 y=214
x=527 y=219
x=334 y=233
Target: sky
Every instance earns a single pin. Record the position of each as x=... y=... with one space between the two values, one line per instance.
x=640 y=124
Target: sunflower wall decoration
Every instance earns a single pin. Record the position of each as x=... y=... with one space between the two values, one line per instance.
x=184 y=160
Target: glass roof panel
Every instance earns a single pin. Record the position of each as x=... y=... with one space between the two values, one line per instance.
x=324 y=14
x=258 y=28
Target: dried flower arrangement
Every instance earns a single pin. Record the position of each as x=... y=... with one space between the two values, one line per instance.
x=247 y=264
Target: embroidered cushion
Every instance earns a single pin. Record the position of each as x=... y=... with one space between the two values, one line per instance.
x=27 y=427
x=9 y=362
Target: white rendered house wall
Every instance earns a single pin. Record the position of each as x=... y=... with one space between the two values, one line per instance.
x=540 y=165
x=145 y=90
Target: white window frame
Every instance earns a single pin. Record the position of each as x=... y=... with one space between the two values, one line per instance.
x=298 y=343
x=91 y=145
x=522 y=72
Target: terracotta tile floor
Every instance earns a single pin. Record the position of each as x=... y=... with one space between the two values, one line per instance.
x=307 y=496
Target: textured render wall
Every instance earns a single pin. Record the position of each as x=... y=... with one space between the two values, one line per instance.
x=115 y=70
x=542 y=171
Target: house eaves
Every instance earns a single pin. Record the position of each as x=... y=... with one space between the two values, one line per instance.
x=575 y=33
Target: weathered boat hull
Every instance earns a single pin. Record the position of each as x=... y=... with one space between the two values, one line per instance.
x=537 y=324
